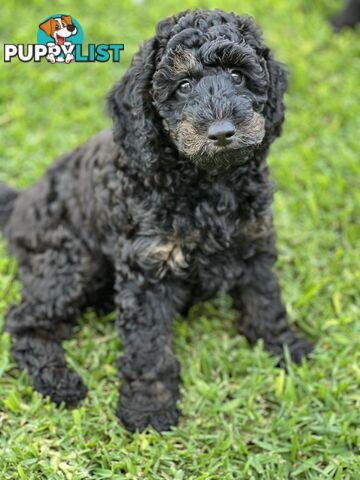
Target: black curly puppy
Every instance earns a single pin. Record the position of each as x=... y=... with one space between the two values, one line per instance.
x=170 y=209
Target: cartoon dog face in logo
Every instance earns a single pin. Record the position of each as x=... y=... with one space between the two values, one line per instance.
x=59 y=28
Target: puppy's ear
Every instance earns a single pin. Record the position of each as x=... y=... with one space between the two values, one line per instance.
x=48 y=27
x=277 y=84
x=67 y=19
x=135 y=123
x=277 y=77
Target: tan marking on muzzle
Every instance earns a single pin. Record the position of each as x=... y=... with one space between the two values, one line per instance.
x=190 y=141
x=255 y=126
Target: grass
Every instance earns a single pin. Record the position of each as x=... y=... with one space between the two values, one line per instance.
x=243 y=418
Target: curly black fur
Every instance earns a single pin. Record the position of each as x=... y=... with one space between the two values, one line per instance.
x=348 y=17
x=157 y=215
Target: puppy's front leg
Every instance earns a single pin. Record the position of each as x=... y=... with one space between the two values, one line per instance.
x=149 y=369
x=69 y=57
x=262 y=314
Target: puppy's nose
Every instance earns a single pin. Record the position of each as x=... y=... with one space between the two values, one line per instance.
x=221 y=132
x=71 y=28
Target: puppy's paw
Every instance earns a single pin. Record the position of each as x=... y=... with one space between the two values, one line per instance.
x=61 y=384
x=299 y=348
x=69 y=58
x=137 y=420
x=148 y=404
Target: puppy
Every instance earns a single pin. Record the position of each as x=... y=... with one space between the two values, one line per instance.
x=170 y=208
x=59 y=28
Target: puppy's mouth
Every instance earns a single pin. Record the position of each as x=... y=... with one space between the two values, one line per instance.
x=68 y=32
x=60 y=40
x=224 y=156
x=222 y=145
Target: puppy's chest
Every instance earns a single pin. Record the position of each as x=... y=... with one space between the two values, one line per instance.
x=193 y=234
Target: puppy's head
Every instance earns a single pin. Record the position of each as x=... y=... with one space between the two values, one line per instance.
x=208 y=85
x=59 y=28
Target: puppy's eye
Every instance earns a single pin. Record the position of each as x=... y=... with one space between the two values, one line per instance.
x=185 y=87
x=64 y=24
x=238 y=79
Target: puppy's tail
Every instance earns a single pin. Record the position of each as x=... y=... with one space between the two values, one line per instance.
x=7 y=199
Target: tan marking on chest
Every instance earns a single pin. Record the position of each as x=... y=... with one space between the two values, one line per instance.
x=259 y=228
x=171 y=252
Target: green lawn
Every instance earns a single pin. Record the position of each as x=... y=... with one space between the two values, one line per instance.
x=242 y=417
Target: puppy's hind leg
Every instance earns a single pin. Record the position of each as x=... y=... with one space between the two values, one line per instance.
x=54 y=291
